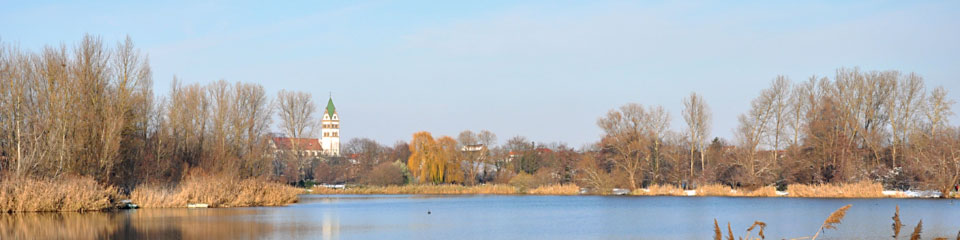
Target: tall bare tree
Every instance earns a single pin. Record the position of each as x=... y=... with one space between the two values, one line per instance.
x=697 y=115
x=633 y=135
x=903 y=107
x=296 y=113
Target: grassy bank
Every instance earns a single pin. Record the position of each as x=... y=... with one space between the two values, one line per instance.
x=217 y=192
x=69 y=194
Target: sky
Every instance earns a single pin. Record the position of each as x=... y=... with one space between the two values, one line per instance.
x=545 y=70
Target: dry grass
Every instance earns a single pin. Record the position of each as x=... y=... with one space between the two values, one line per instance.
x=217 y=192
x=716 y=190
x=659 y=190
x=768 y=191
x=864 y=189
x=67 y=194
x=556 y=189
x=421 y=189
x=726 y=191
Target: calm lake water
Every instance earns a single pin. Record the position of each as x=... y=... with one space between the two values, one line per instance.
x=495 y=217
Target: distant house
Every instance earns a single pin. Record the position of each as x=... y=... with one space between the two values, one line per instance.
x=309 y=147
x=516 y=154
x=472 y=148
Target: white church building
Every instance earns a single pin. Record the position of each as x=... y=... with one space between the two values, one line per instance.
x=330 y=130
x=327 y=145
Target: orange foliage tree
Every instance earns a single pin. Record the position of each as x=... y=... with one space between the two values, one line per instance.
x=434 y=161
x=449 y=157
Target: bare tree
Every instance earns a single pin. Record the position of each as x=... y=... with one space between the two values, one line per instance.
x=780 y=94
x=902 y=108
x=251 y=121
x=937 y=110
x=633 y=135
x=802 y=99
x=753 y=128
x=296 y=110
x=697 y=115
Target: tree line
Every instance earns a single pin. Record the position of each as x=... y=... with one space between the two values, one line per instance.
x=89 y=109
x=880 y=126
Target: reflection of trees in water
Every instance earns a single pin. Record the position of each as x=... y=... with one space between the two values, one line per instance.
x=69 y=225
x=139 y=224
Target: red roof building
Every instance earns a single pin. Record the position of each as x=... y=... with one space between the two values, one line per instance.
x=308 y=146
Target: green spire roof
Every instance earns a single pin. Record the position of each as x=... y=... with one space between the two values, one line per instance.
x=330 y=108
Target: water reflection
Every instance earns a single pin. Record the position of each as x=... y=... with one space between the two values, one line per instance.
x=331 y=226
x=136 y=224
x=492 y=217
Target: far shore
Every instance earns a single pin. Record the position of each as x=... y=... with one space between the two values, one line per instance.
x=83 y=194
x=853 y=190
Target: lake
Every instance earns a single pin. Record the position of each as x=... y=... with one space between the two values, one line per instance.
x=496 y=217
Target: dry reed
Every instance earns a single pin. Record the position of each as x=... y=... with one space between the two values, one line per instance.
x=729 y=232
x=896 y=223
x=69 y=194
x=767 y=191
x=556 y=189
x=717 y=234
x=833 y=220
x=421 y=189
x=726 y=191
x=916 y=231
x=715 y=190
x=659 y=190
x=863 y=189
x=756 y=224
x=217 y=192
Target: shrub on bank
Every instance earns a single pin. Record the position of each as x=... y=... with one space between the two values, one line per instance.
x=68 y=194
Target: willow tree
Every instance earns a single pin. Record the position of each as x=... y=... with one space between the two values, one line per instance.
x=449 y=160
x=423 y=157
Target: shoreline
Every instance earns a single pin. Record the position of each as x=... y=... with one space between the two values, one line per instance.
x=83 y=195
x=853 y=191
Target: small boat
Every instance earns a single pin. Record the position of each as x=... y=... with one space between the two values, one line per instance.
x=197 y=205
x=127 y=204
x=620 y=191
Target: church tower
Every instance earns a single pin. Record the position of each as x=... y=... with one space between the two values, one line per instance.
x=330 y=130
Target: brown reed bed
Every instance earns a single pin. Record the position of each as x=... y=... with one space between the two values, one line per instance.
x=422 y=189
x=659 y=190
x=556 y=189
x=68 y=194
x=863 y=189
x=216 y=192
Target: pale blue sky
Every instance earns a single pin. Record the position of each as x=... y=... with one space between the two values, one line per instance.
x=541 y=69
